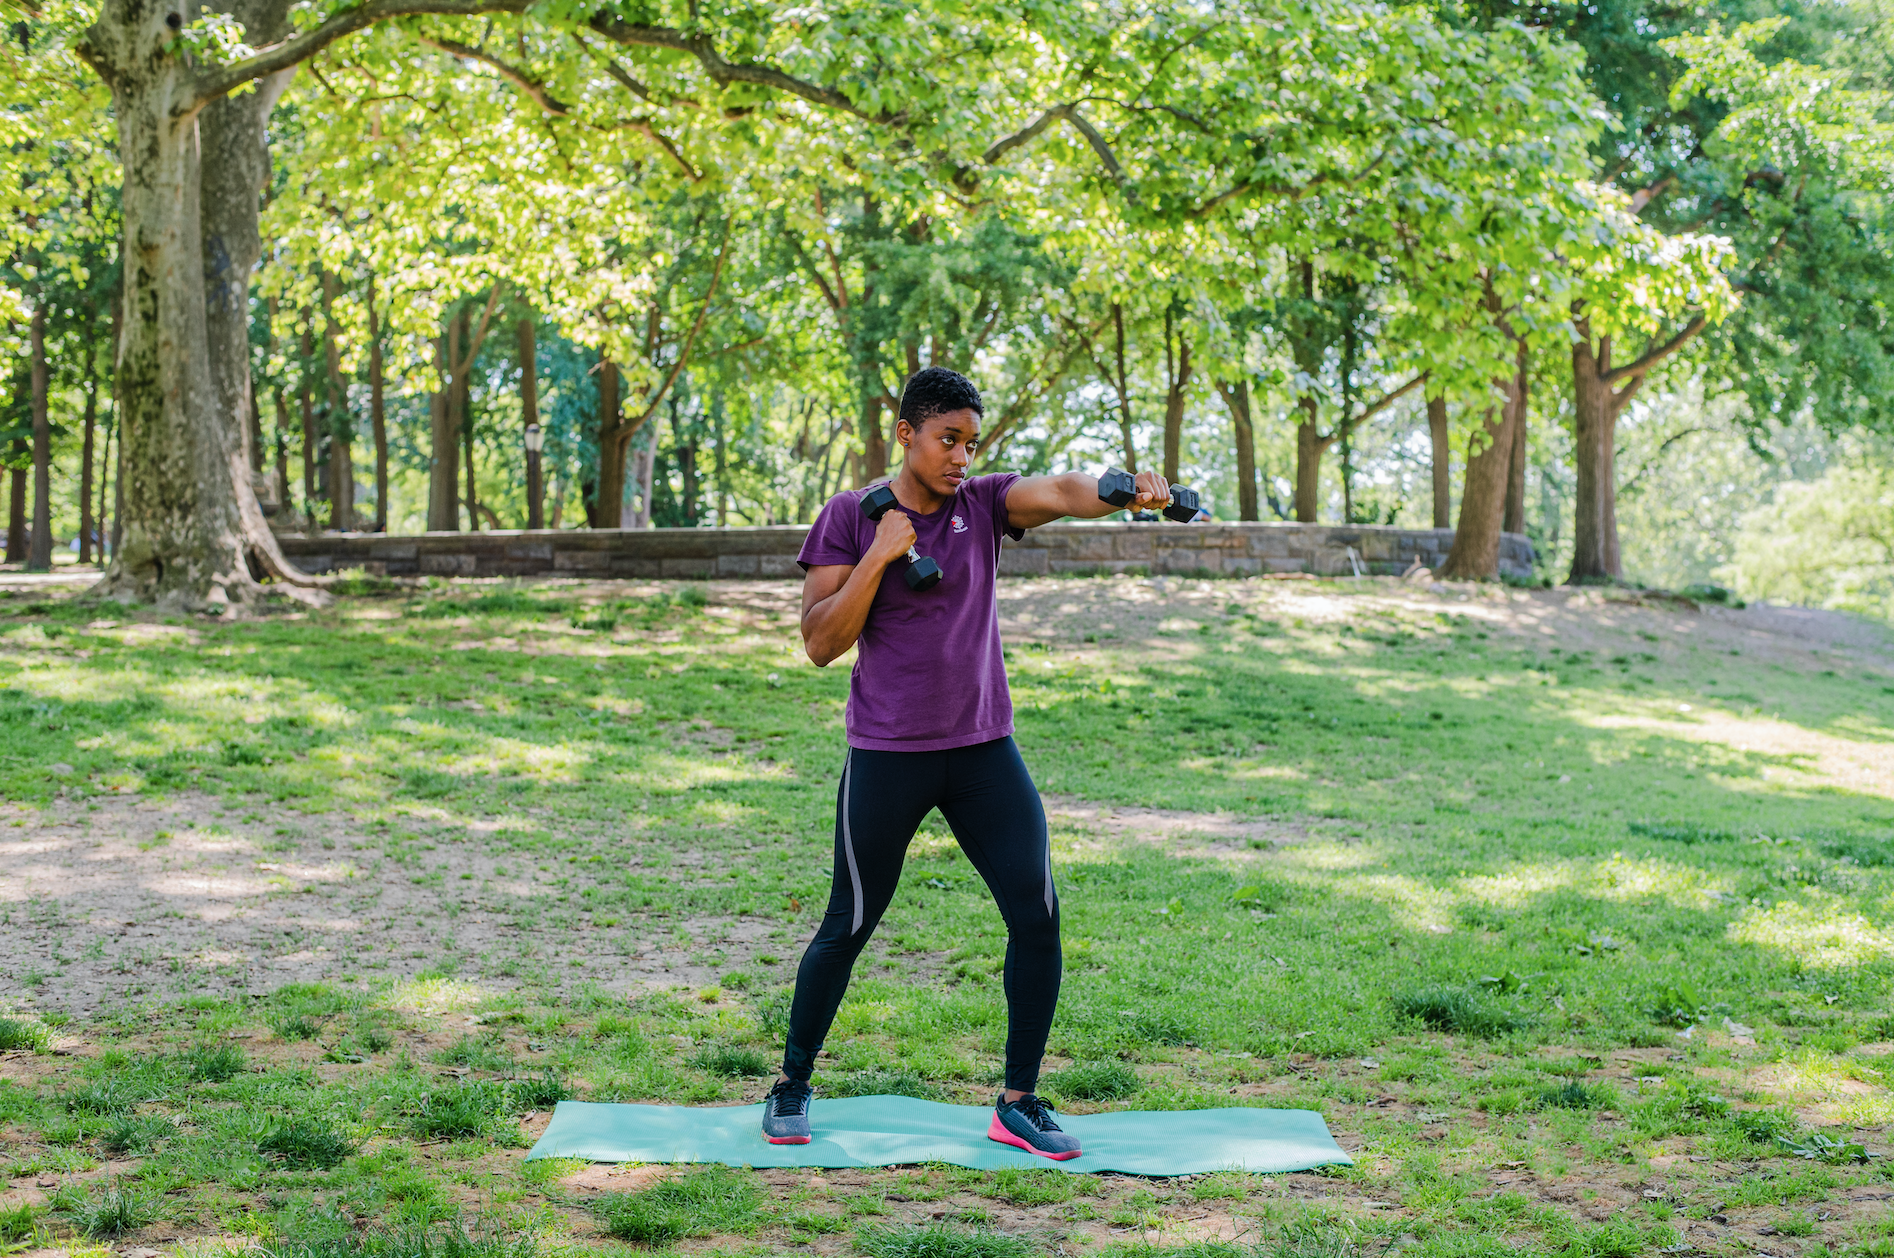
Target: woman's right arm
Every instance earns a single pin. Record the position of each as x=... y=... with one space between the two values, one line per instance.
x=836 y=597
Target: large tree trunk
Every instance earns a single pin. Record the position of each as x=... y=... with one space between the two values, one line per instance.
x=529 y=421
x=339 y=422
x=190 y=525
x=874 y=441
x=1439 y=435
x=1475 y=553
x=377 y=412
x=1237 y=398
x=1516 y=474
x=1310 y=447
x=1175 y=395
x=306 y=403
x=39 y=551
x=88 y=440
x=443 y=478
x=1123 y=387
x=609 y=494
x=16 y=503
x=1595 y=409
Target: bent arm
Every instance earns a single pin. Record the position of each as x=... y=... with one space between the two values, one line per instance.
x=1036 y=500
x=835 y=603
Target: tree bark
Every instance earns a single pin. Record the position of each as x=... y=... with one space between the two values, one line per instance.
x=464 y=393
x=377 y=411
x=1175 y=394
x=305 y=399
x=1595 y=410
x=1516 y=476
x=1311 y=445
x=39 y=551
x=1236 y=397
x=1438 y=433
x=339 y=422
x=88 y=440
x=1122 y=384
x=443 y=480
x=1475 y=552
x=190 y=534
x=105 y=463
x=613 y=436
x=529 y=417
x=16 y=502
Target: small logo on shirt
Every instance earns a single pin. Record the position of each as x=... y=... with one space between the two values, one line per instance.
x=960 y=525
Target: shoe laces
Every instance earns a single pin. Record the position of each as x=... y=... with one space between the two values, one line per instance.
x=788 y=1097
x=1037 y=1112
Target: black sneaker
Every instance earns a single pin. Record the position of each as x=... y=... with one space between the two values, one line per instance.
x=786 y=1112
x=1027 y=1124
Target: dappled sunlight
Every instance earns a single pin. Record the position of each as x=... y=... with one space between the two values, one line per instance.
x=1822 y=935
x=499 y=755
x=438 y=995
x=1829 y=1087
x=1410 y=902
x=1615 y=878
x=1814 y=759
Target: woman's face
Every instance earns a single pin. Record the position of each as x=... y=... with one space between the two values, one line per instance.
x=941 y=450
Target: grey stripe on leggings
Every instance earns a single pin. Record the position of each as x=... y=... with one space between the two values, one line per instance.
x=848 y=846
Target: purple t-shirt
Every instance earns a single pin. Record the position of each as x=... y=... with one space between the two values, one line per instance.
x=928 y=670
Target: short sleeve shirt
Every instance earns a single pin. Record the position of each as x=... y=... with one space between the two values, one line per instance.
x=928 y=670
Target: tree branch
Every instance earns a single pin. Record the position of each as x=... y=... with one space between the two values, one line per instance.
x=1001 y=147
x=1651 y=357
x=480 y=332
x=225 y=79
x=511 y=74
x=1369 y=412
x=697 y=325
x=723 y=73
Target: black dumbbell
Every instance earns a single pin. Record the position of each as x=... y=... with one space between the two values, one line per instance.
x=923 y=573
x=1119 y=488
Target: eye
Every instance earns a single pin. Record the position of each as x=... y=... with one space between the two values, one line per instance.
x=972 y=446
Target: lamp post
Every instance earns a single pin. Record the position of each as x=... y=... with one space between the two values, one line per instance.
x=535 y=481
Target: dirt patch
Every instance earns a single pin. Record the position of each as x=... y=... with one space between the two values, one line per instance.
x=120 y=898
x=1185 y=833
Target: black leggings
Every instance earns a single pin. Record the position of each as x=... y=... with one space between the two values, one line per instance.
x=994 y=810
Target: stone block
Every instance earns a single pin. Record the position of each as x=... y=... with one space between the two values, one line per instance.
x=780 y=565
x=738 y=565
x=687 y=567
x=447 y=563
x=1019 y=561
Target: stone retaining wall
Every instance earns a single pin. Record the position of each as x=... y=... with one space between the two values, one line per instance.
x=1222 y=549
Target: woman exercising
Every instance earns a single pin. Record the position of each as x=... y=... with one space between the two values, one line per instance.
x=930 y=725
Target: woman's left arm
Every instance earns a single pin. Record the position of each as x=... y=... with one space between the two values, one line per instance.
x=1036 y=500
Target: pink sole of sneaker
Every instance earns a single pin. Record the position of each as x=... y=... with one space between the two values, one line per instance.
x=787 y=1139
x=996 y=1130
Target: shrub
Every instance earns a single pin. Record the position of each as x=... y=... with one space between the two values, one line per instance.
x=879 y=1083
x=305 y=1144
x=1456 y=1009
x=1100 y=1081
x=696 y=1203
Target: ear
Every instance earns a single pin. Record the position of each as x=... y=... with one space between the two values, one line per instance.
x=904 y=432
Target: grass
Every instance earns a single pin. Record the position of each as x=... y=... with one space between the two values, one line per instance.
x=1482 y=895
x=697 y=1203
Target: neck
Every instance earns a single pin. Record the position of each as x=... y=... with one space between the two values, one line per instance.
x=912 y=494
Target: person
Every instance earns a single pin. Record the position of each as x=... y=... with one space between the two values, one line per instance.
x=930 y=725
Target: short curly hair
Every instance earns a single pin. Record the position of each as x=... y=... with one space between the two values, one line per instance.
x=934 y=391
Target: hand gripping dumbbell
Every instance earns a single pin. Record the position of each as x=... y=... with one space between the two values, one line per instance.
x=1120 y=488
x=923 y=573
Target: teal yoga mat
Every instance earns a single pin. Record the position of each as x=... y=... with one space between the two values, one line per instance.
x=898 y=1130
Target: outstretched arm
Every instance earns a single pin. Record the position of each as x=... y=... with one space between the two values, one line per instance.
x=1036 y=500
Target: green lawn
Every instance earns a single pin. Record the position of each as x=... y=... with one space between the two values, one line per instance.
x=1573 y=914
